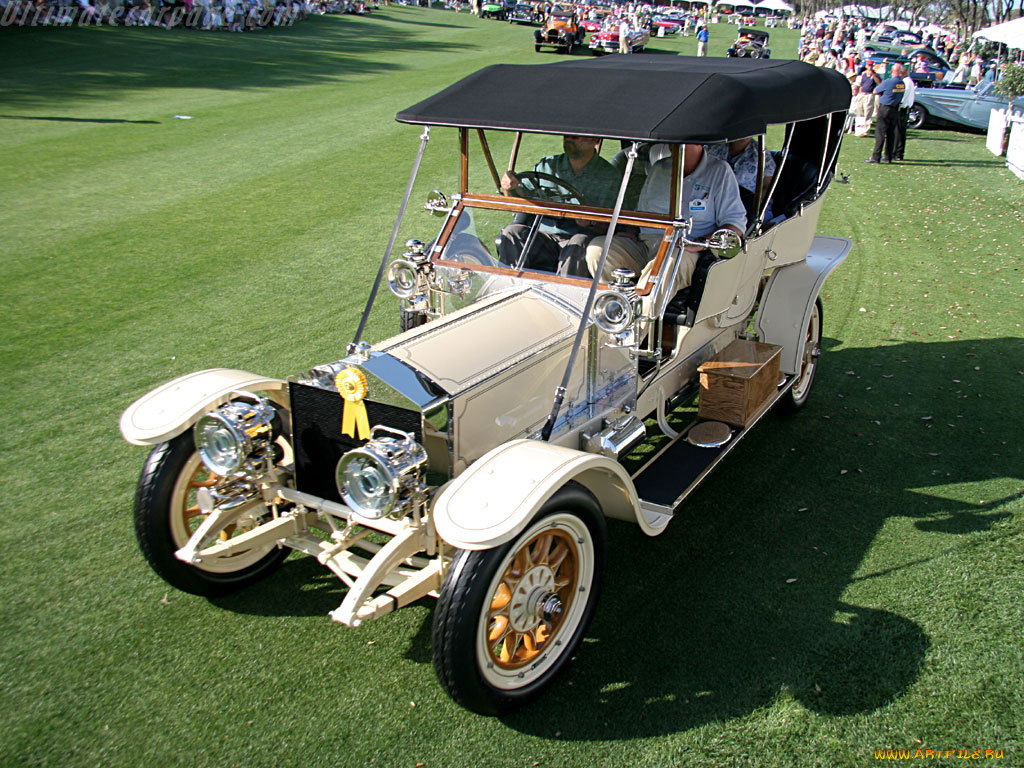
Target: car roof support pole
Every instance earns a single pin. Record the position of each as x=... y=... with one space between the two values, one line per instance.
x=424 y=138
x=778 y=175
x=831 y=159
x=759 y=199
x=515 y=151
x=589 y=306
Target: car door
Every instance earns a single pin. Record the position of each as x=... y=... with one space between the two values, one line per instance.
x=975 y=110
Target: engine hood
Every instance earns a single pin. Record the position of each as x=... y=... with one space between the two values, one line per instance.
x=467 y=348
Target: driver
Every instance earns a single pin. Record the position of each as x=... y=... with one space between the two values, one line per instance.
x=711 y=200
x=560 y=241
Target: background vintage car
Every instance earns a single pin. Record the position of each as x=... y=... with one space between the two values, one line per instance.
x=670 y=25
x=595 y=19
x=607 y=40
x=560 y=31
x=895 y=40
x=524 y=13
x=750 y=43
x=965 y=107
x=923 y=64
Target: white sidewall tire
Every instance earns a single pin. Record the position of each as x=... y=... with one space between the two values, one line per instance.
x=512 y=679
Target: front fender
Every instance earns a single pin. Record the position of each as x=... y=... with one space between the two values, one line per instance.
x=790 y=295
x=497 y=497
x=170 y=409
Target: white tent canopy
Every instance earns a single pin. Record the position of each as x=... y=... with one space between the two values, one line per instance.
x=775 y=5
x=1009 y=33
x=935 y=29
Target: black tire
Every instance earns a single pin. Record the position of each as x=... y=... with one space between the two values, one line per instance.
x=917 y=117
x=469 y=658
x=801 y=390
x=163 y=501
x=536 y=48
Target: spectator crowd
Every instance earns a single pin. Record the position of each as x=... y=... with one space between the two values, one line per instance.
x=219 y=15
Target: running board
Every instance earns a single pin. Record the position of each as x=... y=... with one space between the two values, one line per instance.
x=666 y=480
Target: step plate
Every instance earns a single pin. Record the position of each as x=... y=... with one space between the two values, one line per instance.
x=670 y=476
x=676 y=469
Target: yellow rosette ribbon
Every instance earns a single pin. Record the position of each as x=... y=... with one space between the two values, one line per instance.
x=352 y=388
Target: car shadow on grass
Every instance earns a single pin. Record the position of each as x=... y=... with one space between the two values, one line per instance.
x=754 y=593
x=955 y=163
x=54 y=119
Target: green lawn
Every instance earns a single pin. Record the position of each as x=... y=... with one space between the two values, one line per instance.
x=138 y=247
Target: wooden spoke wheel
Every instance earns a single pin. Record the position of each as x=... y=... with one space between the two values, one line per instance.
x=808 y=362
x=510 y=618
x=167 y=514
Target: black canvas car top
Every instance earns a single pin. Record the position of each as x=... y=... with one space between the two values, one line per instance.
x=752 y=33
x=647 y=98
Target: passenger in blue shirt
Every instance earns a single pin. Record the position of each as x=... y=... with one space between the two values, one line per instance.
x=890 y=95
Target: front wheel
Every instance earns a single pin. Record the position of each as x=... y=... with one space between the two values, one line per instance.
x=510 y=618
x=167 y=513
x=808 y=363
x=536 y=48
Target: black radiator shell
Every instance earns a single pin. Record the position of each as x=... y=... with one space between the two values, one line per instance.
x=317 y=440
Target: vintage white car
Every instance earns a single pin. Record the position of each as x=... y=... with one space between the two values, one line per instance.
x=475 y=456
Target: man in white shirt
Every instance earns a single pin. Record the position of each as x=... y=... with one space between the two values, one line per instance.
x=624 y=35
x=711 y=200
x=903 y=116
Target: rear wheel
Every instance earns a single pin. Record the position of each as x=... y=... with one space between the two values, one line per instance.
x=510 y=618
x=808 y=363
x=917 y=116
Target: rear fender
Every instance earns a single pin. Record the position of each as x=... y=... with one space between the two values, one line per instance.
x=496 y=498
x=790 y=295
x=170 y=409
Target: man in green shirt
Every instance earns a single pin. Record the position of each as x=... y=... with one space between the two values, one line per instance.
x=559 y=241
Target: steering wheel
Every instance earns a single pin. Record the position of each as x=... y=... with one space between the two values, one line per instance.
x=535 y=185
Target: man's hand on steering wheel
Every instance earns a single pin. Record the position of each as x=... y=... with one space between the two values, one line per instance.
x=509 y=182
x=535 y=185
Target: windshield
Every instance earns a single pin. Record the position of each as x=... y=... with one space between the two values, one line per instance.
x=501 y=239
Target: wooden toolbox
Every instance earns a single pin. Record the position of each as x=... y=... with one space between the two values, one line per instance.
x=737 y=383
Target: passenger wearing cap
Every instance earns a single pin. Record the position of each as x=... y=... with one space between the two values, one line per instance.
x=711 y=201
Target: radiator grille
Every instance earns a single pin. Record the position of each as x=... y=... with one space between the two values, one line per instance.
x=317 y=439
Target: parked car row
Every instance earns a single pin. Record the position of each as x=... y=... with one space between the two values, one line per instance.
x=924 y=64
x=564 y=33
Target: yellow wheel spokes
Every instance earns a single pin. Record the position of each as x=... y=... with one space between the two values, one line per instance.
x=542 y=573
x=203 y=478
